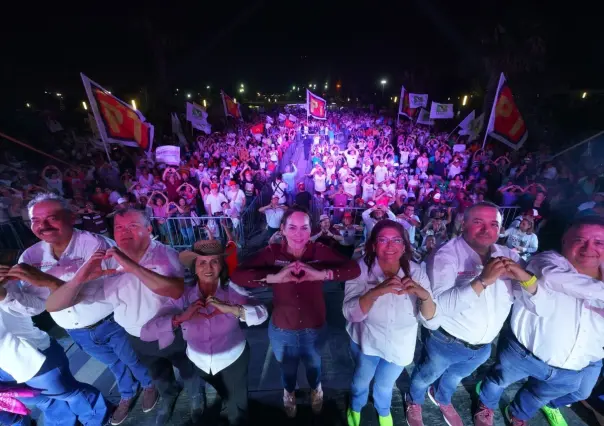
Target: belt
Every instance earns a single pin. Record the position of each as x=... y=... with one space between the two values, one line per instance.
x=466 y=344
x=96 y=324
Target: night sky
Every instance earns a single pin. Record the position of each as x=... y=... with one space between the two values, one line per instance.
x=270 y=45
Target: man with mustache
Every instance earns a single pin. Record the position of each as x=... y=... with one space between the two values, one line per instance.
x=556 y=342
x=45 y=266
x=470 y=278
x=147 y=274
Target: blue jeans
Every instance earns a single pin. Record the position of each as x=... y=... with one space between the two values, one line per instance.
x=545 y=383
x=445 y=362
x=63 y=400
x=188 y=235
x=109 y=343
x=291 y=346
x=384 y=375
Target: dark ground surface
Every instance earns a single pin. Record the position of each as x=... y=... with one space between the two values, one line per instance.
x=266 y=393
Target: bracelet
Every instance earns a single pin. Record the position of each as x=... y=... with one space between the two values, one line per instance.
x=529 y=282
x=484 y=286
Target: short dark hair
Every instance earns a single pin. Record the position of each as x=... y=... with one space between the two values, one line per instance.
x=143 y=215
x=585 y=221
x=466 y=213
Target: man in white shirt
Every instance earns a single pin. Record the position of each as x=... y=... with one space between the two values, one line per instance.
x=236 y=196
x=148 y=273
x=470 y=284
x=54 y=260
x=279 y=188
x=273 y=212
x=380 y=172
x=214 y=201
x=30 y=356
x=410 y=222
x=556 y=340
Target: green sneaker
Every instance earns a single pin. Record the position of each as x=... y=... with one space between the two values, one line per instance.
x=386 y=420
x=354 y=418
x=554 y=416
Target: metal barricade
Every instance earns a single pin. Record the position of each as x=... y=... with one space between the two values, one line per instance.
x=181 y=232
x=509 y=214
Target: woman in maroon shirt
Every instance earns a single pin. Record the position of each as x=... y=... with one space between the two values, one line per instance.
x=296 y=270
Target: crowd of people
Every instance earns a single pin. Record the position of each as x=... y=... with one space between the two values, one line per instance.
x=406 y=217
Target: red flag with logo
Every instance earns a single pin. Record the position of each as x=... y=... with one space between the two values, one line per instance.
x=116 y=120
x=289 y=124
x=230 y=106
x=316 y=106
x=506 y=123
x=403 y=106
x=257 y=129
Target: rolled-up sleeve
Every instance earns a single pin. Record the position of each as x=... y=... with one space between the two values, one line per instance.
x=160 y=327
x=24 y=299
x=255 y=312
x=420 y=276
x=353 y=290
x=554 y=272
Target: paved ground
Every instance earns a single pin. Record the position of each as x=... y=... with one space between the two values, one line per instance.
x=266 y=392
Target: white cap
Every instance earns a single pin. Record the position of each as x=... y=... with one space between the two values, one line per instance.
x=121 y=200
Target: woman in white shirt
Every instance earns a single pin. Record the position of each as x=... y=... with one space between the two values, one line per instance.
x=522 y=239
x=318 y=175
x=368 y=188
x=383 y=308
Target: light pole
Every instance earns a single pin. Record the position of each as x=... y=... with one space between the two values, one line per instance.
x=383 y=83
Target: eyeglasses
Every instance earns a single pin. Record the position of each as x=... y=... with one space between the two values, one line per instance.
x=396 y=241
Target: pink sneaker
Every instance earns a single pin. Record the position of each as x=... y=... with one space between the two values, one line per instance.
x=483 y=416
x=413 y=412
x=513 y=420
x=449 y=413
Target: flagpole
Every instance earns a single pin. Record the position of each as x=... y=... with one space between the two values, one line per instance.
x=449 y=135
x=18 y=142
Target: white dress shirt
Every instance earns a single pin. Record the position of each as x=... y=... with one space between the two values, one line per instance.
x=464 y=314
x=215 y=340
x=132 y=300
x=565 y=327
x=20 y=340
x=82 y=246
x=389 y=329
x=273 y=217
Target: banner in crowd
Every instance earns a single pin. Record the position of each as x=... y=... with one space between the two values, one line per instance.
x=505 y=123
x=116 y=120
x=424 y=118
x=440 y=111
x=168 y=154
x=474 y=128
x=198 y=118
x=230 y=107
x=257 y=129
x=282 y=117
x=316 y=107
x=403 y=106
x=292 y=118
x=418 y=101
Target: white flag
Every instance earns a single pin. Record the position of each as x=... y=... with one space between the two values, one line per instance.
x=439 y=111
x=475 y=127
x=195 y=113
x=293 y=118
x=282 y=117
x=424 y=118
x=418 y=101
x=269 y=120
x=464 y=126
